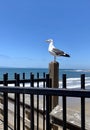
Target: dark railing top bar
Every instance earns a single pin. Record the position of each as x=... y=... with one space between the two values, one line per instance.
x=24 y=81
x=47 y=91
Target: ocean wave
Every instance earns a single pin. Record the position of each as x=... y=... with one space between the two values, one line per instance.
x=78 y=70
x=75 y=82
x=81 y=70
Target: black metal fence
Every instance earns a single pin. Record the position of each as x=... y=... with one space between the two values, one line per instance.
x=31 y=106
x=26 y=108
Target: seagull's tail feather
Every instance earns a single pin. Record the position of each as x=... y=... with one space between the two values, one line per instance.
x=66 y=55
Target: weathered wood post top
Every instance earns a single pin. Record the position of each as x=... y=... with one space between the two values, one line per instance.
x=54 y=75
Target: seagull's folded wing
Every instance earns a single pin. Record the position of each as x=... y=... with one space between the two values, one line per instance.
x=58 y=52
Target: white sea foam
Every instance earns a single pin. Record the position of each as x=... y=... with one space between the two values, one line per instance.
x=75 y=82
x=81 y=70
x=78 y=70
x=71 y=83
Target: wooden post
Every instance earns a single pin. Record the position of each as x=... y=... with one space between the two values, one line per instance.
x=54 y=75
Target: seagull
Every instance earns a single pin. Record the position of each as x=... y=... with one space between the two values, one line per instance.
x=54 y=51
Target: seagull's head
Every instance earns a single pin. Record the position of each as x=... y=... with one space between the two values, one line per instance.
x=49 y=41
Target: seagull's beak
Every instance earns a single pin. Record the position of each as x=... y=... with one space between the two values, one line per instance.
x=47 y=41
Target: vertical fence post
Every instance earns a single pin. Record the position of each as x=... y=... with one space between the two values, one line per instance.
x=44 y=76
x=64 y=103
x=5 y=103
x=48 y=104
x=37 y=104
x=54 y=76
x=32 y=104
x=82 y=103
x=23 y=104
x=17 y=105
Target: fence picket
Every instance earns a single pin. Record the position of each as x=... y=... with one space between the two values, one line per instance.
x=23 y=104
x=44 y=108
x=32 y=104
x=83 y=103
x=37 y=104
x=5 y=105
x=64 y=104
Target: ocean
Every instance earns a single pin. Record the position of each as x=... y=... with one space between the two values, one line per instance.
x=73 y=75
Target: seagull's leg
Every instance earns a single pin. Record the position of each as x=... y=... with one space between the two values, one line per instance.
x=54 y=58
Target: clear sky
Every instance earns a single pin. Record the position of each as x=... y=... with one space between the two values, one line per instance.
x=26 y=24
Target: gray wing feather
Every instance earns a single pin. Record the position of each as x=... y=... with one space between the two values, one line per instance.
x=58 y=52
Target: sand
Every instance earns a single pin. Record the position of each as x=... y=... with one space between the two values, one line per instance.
x=74 y=111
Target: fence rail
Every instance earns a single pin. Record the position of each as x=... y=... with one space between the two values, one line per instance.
x=47 y=91
x=36 y=95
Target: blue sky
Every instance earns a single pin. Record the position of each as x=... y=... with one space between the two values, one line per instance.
x=26 y=24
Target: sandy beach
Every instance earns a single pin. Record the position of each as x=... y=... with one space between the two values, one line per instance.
x=74 y=111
